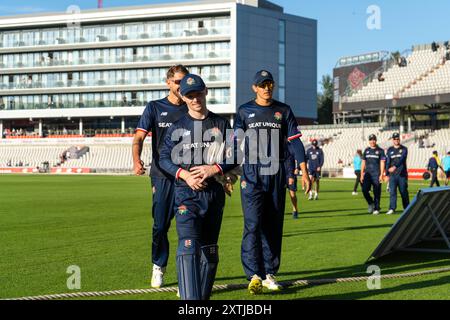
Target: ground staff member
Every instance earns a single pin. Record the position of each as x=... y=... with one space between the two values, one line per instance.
x=446 y=166
x=315 y=163
x=357 y=161
x=372 y=174
x=433 y=166
x=396 y=165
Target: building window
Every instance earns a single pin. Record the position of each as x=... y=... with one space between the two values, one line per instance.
x=282 y=60
x=282 y=30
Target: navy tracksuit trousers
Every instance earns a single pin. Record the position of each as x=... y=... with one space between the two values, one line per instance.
x=199 y=218
x=397 y=181
x=263 y=202
x=162 y=212
x=199 y=213
x=372 y=180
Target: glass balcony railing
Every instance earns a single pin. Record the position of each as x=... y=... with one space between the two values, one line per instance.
x=139 y=58
x=223 y=77
x=18 y=40
x=92 y=104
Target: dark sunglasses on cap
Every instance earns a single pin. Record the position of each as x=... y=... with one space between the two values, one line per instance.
x=266 y=84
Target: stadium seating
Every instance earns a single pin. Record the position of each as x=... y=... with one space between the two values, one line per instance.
x=100 y=158
x=426 y=73
x=31 y=156
x=342 y=143
x=339 y=145
x=108 y=158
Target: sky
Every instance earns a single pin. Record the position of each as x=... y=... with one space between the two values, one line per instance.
x=342 y=25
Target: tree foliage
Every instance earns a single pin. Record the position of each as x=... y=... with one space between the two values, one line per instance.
x=325 y=101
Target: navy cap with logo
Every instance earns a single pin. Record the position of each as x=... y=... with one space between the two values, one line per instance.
x=261 y=76
x=191 y=83
x=315 y=143
x=396 y=136
x=372 y=137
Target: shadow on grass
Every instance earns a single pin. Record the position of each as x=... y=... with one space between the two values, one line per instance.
x=331 y=211
x=402 y=262
x=317 y=214
x=373 y=293
x=339 y=191
x=330 y=230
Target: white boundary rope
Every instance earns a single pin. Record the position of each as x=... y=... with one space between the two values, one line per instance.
x=227 y=286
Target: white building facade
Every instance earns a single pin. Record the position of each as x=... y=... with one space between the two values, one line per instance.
x=86 y=72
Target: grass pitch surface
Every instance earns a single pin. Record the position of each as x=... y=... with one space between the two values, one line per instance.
x=103 y=225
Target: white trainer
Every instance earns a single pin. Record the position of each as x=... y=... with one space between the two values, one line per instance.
x=354 y=193
x=370 y=209
x=390 y=212
x=158 y=276
x=376 y=212
x=271 y=284
x=316 y=196
x=310 y=196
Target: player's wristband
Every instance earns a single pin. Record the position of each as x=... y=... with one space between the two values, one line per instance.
x=220 y=169
x=177 y=175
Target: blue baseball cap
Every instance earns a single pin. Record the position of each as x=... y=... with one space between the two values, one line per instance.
x=261 y=76
x=372 y=137
x=190 y=83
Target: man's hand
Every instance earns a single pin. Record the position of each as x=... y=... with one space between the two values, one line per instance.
x=204 y=172
x=381 y=178
x=194 y=183
x=362 y=178
x=319 y=169
x=392 y=169
x=138 y=168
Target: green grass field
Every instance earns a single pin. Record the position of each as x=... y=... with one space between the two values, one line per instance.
x=103 y=225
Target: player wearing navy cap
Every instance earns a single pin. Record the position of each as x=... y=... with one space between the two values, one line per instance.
x=270 y=127
x=397 y=172
x=199 y=198
x=372 y=174
x=315 y=163
x=158 y=116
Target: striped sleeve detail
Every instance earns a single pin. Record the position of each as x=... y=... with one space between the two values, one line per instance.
x=220 y=169
x=295 y=137
x=141 y=130
x=177 y=175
